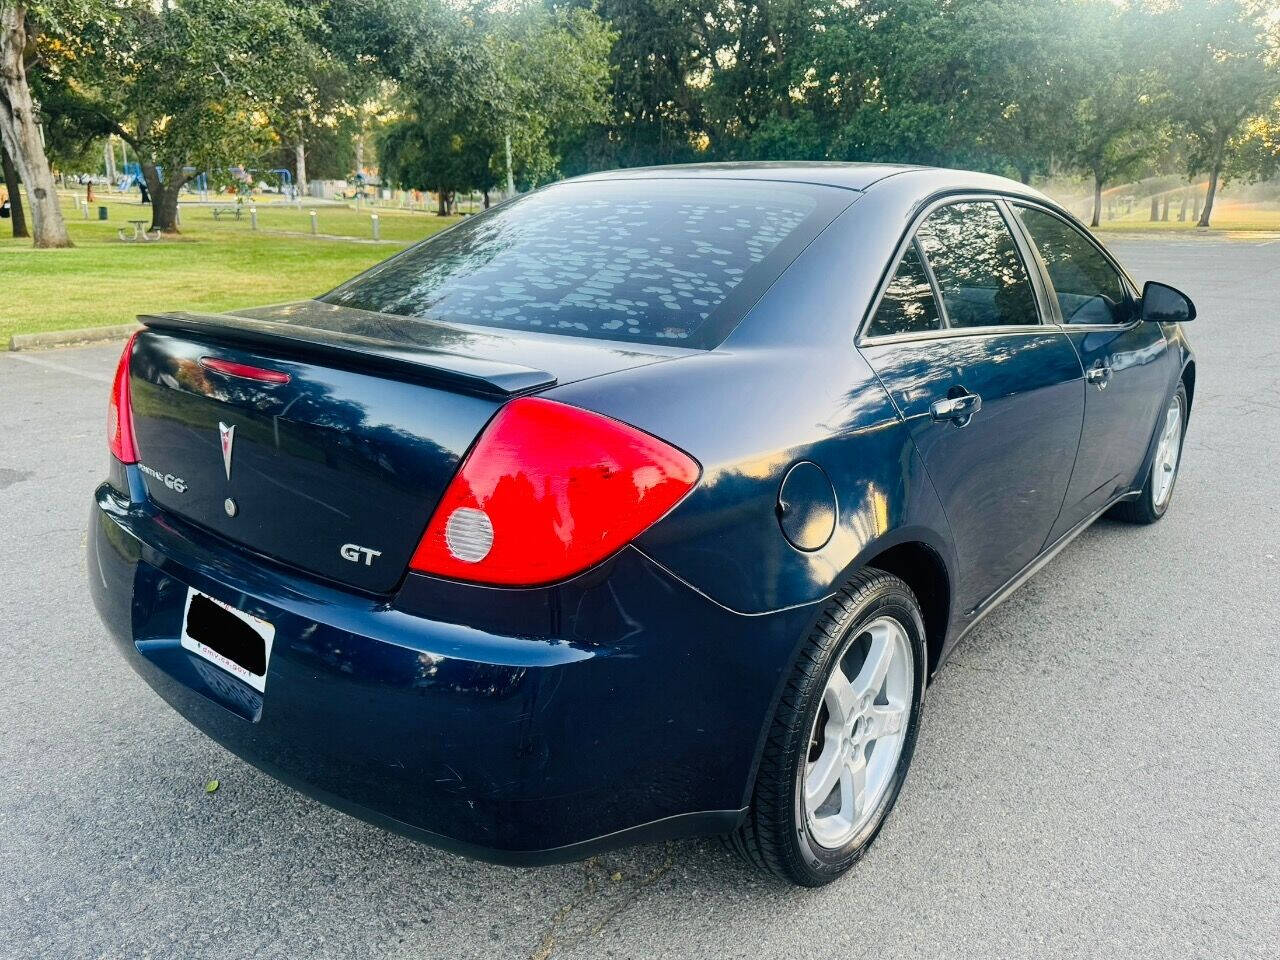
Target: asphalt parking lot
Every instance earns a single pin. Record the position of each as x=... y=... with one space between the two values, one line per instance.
x=1098 y=772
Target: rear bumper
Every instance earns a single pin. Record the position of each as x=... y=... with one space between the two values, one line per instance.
x=518 y=726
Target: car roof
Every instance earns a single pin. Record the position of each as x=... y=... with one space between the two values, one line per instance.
x=855 y=177
x=850 y=176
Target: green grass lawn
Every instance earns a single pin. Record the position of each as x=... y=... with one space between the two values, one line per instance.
x=1227 y=216
x=211 y=266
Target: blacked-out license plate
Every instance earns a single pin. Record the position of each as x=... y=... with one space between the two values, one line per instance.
x=238 y=642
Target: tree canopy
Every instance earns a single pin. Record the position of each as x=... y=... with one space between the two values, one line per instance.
x=537 y=76
x=1021 y=87
x=188 y=85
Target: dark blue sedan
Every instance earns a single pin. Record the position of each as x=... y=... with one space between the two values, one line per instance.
x=641 y=506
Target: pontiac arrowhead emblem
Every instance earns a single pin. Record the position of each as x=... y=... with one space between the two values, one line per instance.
x=228 y=438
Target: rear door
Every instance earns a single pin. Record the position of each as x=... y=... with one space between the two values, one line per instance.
x=1126 y=362
x=992 y=394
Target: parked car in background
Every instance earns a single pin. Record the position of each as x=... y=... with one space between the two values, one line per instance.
x=641 y=506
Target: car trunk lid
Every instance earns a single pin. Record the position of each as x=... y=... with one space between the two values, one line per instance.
x=322 y=437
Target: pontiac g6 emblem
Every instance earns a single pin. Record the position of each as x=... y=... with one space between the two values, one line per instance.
x=228 y=438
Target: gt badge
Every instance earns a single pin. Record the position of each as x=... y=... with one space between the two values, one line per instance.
x=356 y=553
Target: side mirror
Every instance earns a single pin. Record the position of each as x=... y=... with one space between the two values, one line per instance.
x=1164 y=304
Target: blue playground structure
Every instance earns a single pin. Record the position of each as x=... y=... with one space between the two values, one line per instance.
x=131 y=176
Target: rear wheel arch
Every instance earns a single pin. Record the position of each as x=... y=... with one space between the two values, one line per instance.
x=924 y=571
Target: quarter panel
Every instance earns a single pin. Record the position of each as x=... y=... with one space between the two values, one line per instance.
x=787 y=385
x=748 y=417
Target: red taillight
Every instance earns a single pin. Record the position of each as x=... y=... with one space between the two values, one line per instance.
x=243 y=370
x=120 y=412
x=547 y=491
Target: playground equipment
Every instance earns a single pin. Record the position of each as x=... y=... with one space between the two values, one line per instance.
x=130 y=176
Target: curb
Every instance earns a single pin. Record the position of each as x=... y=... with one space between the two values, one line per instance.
x=61 y=338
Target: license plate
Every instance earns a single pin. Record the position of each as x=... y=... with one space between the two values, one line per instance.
x=238 y=642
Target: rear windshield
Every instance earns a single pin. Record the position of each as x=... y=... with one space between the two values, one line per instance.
x=652 y=261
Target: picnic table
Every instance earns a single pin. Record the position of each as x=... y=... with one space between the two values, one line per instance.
x=220 y=212
x=139 y=234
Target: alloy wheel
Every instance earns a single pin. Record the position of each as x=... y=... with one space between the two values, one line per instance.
x=858 y=734
x=1165 y=468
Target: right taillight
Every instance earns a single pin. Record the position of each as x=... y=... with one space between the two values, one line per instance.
x=548 y=491
x=120 y=411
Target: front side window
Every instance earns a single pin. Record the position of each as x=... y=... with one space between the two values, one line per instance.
x=1088 y=288
x=907 y=305
x=975 y=261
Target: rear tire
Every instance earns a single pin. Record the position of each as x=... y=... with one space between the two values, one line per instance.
x=858 y=733
x=1157 y=492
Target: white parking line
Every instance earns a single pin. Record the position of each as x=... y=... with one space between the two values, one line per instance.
x=60 y=367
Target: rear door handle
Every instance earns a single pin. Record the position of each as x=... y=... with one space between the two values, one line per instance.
x=959 y=409
x=1099 y=374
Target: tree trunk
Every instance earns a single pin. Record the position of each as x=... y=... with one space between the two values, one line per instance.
x=486 y=198
x=1214 y=173
x=442 y=203
x=17 y=215
x=19 y=133
x=164 y=198
x=300 y=162
x=1024 y=173
x=1097 y=201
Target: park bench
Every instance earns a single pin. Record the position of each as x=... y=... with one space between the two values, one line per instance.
x=139 y=234
x=220 y=212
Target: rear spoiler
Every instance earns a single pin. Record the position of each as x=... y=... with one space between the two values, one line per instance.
x=486 y=378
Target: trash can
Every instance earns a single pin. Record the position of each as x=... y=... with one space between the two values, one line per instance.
x=102 y=213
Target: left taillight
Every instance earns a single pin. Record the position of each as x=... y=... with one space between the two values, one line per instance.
x=120 y=411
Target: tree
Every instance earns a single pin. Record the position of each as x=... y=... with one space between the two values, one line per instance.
x=1221 y=80
x=550 y=81
x=13 y=188
x=19 y=128
x=1117 y=124
x=1255 y=153
x=977 y=83
x=188 y=84
x=319 y=119
x=655 y=112
x=534 y=76
x=1030 y=72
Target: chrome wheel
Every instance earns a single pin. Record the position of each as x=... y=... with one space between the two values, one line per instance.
x=1165 y=468
x=858 y=734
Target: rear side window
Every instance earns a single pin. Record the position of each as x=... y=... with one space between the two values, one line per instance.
x=1088 y=288
x=980 y=275
x=661 y=261
x=907 y=305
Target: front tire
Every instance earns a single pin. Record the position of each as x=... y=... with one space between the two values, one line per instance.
x=842 y=737
x=1157 y=492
